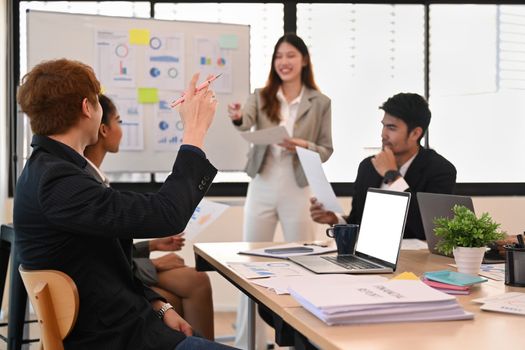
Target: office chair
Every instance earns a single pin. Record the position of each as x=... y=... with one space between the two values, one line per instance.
x=54 y=296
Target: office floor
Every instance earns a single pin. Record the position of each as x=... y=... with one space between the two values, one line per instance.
x=223 y=328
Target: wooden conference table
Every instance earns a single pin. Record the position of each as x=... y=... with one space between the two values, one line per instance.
x=488 y=330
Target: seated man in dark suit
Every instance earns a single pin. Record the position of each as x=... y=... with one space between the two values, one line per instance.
x=62 y=213
x=402 y=165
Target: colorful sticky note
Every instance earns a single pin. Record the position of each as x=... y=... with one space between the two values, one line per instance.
x=406 y=276
x=148 y=95
x=139 y=36
x=228 y=41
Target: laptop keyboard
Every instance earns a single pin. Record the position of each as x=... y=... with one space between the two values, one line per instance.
x=350 y=262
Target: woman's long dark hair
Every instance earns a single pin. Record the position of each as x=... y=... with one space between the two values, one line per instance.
x=108 y=108
x=271 y=104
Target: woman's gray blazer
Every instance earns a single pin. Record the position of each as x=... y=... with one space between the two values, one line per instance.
x=313 y=123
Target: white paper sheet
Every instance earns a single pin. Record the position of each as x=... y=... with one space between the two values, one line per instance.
x=265 y=269
x=493 y=271
x=168 y=128
x=115 y=60
x=512 y=304
x=355 y=297
x=205 y=213
x=210 y=59
x=280 y=285
x=268 y=136
x=313 y=169
x=413 y=244
x=499 y=298
x=132 y=117
x=165 y=62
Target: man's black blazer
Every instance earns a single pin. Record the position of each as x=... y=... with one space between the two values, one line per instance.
x=429 y=172
x=66 y=220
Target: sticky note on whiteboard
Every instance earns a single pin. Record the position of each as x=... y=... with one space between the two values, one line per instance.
x=139 y=36
x=228 y=41
x=148 y=95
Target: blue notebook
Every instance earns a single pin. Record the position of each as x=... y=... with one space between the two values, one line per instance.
x=455 y=278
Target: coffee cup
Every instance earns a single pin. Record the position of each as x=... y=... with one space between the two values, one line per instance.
x=345 y=236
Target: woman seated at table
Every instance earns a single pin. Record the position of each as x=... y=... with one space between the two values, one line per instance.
x=188 y=290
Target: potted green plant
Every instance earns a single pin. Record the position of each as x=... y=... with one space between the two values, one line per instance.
x=466 y=236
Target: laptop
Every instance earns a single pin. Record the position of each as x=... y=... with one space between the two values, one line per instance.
x=438 y=205
x=379 y=241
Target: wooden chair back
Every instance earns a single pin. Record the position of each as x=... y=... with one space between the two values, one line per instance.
x=54 y=296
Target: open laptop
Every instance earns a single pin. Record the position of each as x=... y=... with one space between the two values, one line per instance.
x=438 y=205
x=379 y=241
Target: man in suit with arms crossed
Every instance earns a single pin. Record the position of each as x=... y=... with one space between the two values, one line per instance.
x=402 y=165
x=62 y=213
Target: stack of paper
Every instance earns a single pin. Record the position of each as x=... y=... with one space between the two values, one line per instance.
x=451 y=282
x=392 y=301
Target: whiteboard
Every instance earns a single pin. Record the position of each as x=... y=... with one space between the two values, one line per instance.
x=81 y=37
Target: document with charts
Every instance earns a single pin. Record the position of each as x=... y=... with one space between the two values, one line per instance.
x=205 y=213
x=264 y=269
x=512 y=303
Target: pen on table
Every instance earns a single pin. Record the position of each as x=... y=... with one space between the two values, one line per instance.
x=520 y=241
x=316 y=244
x=197 y=89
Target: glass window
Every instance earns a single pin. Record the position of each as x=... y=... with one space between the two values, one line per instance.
x=265 y=20
x=374 y=52
x=106 y=8
x=477 y=94
x=266 y=26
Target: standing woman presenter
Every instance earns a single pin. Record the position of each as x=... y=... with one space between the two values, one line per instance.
x=279 y=190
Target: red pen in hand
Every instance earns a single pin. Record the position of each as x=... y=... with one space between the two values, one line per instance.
x=197 y=89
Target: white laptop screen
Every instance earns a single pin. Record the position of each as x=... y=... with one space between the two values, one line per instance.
x=382 y=225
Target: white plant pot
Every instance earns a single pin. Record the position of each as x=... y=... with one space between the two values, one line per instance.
x=468 y=260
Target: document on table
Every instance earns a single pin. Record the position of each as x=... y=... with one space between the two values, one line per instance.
x=512 y=303
x=493 y=271
x=268 y=136
x=413 y=244
x=280 y=285
x=265 y=269
x=205 y=213
x=321 y=189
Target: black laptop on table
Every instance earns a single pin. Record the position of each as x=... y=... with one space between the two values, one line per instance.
x=379 y=241
x=438 y=205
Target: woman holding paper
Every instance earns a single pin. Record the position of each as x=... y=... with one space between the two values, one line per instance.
x=186 y=289
x=279 y=189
